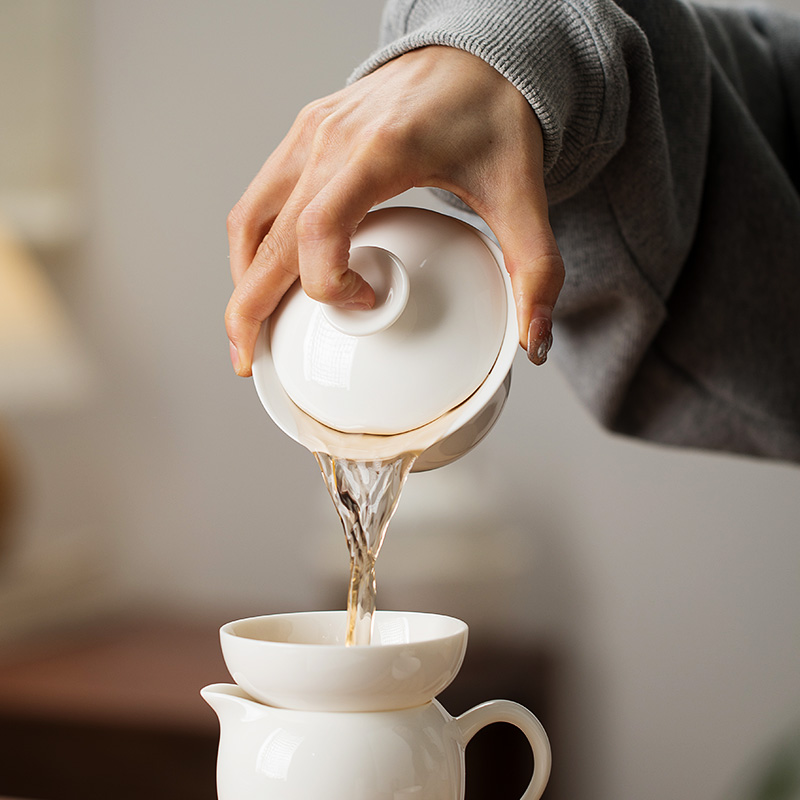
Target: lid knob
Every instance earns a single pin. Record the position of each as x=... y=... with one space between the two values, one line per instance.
x=385 y=273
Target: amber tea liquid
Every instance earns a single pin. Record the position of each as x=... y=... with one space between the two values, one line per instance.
x=365 y=494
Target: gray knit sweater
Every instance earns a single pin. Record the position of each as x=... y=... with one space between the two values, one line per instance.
x=672 y=158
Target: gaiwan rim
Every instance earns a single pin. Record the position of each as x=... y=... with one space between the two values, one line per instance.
x=459 y=629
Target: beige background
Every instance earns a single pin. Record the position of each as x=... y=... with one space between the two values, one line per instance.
x=667 y=582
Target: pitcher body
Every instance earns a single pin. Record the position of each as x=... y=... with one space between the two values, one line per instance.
x=270 y=753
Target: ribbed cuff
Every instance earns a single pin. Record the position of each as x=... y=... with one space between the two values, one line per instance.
x=565 y=57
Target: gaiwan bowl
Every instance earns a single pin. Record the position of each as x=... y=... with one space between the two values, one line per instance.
x=338 y=386
x=300 y=660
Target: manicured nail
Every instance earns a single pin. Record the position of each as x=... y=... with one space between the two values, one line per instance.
x=540 y=340
x=234 y=356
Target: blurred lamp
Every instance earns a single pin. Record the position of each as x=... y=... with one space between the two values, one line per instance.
x=42 y=366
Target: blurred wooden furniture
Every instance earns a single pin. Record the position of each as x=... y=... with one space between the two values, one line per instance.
x=111 y=712
x=114 y=712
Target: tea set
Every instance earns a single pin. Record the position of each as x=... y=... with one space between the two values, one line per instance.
x=309 y=716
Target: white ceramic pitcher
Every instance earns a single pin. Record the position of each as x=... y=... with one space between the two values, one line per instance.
x=362 y=722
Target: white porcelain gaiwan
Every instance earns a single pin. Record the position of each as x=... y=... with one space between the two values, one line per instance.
x=312 y=718
x=426 y=370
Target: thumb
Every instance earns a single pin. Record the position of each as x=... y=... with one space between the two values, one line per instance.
x=534 y=264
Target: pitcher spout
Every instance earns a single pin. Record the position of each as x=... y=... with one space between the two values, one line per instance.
x=230 y=703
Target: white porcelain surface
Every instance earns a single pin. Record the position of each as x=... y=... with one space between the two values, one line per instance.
x=419 y=352
x=458 y=430
x=413 y=754
x=300 y=660
x=392 y=753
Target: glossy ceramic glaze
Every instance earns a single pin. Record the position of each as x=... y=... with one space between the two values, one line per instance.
x=440 y=296
x=391 y=753
x=300 y=660
x=433 y=382
x=418 y=753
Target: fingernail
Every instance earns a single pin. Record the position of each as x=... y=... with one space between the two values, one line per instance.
x=355 y=306
x=234 y=356
x=540 y=340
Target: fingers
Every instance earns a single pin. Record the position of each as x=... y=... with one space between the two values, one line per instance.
x=327 y=223
x=534 y=263
x=262 y=236
x=248 y=223
x=260 y=288
x=263 y=261
x=505 y=186
x=537 y=275
x=252 y=217
x=310 y=238
x=323 y=238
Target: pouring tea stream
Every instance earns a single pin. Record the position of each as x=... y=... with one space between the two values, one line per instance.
x=320 y=708
x=377 y=393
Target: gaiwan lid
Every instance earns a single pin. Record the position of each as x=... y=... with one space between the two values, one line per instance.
x=439 y=320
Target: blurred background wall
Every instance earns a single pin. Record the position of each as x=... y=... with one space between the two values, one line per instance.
x=667 y=582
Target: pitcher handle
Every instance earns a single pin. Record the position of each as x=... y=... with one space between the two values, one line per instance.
x=470 y=722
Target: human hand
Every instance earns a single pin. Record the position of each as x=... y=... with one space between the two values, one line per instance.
x=435 y=117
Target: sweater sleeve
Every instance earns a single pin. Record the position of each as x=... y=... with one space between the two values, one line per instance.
x=566 y=58
x=669 y=155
